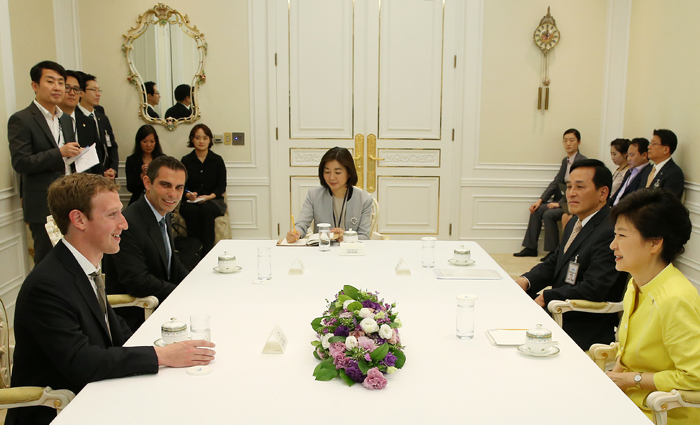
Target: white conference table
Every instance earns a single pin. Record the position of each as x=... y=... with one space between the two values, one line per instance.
x=444 y=380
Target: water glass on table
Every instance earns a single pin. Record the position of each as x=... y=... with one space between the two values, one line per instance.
x=428 y=256
x=264 y=263
x=199 y=327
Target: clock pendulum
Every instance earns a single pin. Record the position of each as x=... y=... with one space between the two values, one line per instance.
x=546 y=37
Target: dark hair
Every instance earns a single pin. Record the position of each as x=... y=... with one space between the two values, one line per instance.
x=574 y=132
x=657 y=214
x=620 y=145
x=84 y=80
x=150 y=87
x=75 y=75
x=344 y=157
x=602 y=176
x=163 y=161
x=182 y=92
x=141 y=134
x=641 y=143
x=667 y=138
x=206 y=131
x=38 y=70
x=75 y=192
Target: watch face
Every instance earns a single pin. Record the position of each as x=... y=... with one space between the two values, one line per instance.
x=546 y=36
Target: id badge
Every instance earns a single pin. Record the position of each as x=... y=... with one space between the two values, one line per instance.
x=108 y=140
x=572 y=272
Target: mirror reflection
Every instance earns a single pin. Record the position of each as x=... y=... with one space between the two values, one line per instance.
x=166 y=58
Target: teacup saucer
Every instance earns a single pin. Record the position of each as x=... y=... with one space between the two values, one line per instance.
x=468 y=263
x=552 y=351
x=235 y=269
x=159 y=342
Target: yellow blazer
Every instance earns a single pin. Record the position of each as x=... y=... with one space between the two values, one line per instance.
x=663 y=337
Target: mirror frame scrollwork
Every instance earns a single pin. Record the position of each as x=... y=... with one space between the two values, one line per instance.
x=162 y=14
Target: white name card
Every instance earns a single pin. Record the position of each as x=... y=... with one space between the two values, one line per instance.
x=297 y=267
x=276 y=342
x=402 y=268
x=352 y=248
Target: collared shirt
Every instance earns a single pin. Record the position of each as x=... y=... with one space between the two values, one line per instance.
x=75 y=126
x=569 y=163
x=587 y=219
x=54 y=124
x=84 y=263
x=158 y=219
x=94 y=116
x=660 y=165
x=633 y=172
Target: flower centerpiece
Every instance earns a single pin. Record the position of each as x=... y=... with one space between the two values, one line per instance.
x=358 y=339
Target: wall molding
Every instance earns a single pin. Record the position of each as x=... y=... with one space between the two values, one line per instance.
x=11 y=217
x=505 y=183
x=67 y=32
x=254 y=201
x=248 y=181
x=8 y=282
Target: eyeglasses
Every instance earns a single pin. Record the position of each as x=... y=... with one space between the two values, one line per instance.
x=75 y=89
x=97 y=90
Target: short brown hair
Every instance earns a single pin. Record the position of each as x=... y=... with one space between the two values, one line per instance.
x=163 y=161
x=75 y=192
x=206 y=130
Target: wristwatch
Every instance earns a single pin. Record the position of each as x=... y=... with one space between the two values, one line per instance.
x=638 y=380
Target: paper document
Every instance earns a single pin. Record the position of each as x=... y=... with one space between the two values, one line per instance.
x=470 y=274
x=85 y=160
x=195 y=201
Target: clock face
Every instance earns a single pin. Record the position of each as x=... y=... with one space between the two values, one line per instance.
x=546 y=36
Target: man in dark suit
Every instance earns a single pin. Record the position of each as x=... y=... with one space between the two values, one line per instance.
x=638 y=171
x=665 y=173
x=152 y=98
x=83 y=128
x=183 y=96
x=67 y=334
x=40 y=139
x=551 y=212
x=107 y=149
x=147 y=264
x=583 y=266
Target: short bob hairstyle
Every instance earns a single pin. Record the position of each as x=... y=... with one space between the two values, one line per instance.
x=206 y=130
x=344 y=157
x=657 y=214
x=143 y=132
x=620 y=145
x=574 y=132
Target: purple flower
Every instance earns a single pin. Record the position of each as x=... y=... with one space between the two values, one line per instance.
x=368 y=357
x=341 y=330
x=341 y=362
x=353 y=371
x=371 y=304
x=375 y=380
x=366 y=343
x=390 y=359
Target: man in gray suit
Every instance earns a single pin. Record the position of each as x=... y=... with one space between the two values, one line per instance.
x=41 y=139
x=551 y=212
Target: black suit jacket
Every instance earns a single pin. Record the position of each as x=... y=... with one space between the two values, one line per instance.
x=553 y=189
x=36 y=156
x=152 y=112
x=178 y=111
x=62 y=338
x=670 y=178
x=638 y=182
x=597 y=279
x=108 y=155
x=86 y=132
x=140 y=268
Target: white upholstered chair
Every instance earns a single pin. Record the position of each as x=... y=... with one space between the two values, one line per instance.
x=23 y=396
x=558 y=308
x=373 y=233
x=660 y=402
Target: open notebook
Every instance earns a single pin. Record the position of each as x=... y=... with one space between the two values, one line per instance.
x=309 y=240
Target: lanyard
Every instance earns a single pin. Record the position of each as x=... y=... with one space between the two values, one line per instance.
x=337 y=222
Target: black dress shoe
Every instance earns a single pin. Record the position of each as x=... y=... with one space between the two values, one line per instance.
x=526 y=252
x=546 y=257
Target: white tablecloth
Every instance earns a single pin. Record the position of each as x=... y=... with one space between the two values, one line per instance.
x=444 y=380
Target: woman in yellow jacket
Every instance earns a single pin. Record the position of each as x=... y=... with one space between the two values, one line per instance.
x=660 y=328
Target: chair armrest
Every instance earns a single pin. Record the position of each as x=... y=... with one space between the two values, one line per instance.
x=558 y=307
x=602 y=354
x=148 y=304
x=660 y=402
x=35 y=396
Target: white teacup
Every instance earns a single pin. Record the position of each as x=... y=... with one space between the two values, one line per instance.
x=539 y=339
x=227 y=262
x=462 y=255
x=173 y=331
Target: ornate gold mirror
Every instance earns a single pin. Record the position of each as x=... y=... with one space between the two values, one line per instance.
x=165 y=53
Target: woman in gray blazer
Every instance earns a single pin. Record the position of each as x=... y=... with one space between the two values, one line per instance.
x=336 y=202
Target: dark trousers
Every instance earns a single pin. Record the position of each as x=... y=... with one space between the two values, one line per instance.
x=200 y=222
x=42 y=243
x=550 y=217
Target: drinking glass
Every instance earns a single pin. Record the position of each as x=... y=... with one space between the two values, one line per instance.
x=264 y=263
x=199 y=327
x=465 y=316
x=428 y=251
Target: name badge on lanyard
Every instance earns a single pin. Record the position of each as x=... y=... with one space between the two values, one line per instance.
x=572 y=271
x=108 y=141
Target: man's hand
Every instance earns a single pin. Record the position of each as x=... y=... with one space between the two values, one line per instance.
x=70 y=149
x=534 y=206
x=185 y=354
x=191 y=196
x=522 y=282
x=540 y=300
x=553 y=205
x=110 y=174
x=337 y=231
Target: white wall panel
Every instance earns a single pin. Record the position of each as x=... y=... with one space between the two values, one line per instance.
x=300 y=185
x=408 y=204
x=409 y=157
x=689 y=262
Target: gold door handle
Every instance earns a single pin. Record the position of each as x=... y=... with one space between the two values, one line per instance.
x=372 y=164
x=357 y=157
x=359 y=166
x=374 y=158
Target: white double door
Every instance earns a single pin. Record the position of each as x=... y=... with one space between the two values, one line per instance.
x=376 y=77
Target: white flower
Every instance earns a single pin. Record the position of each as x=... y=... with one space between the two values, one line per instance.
x=369 y=325
x=391 y=369
x=347 y=303
x=324 y=342
x=398 y=323
x=350 y=342
x=365 y=313
x=386 y=332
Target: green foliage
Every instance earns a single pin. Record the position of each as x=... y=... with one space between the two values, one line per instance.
x=363 y=365
x=336 y=339
x=346 y=378
x=379 y=353
x=325 y=371
x=351 y=291
x=316 y=343
x=400 y=358
x=354 y=306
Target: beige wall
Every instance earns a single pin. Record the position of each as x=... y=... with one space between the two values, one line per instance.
x=6 y=173
x=224 y=98
x=512 y=130
x=662 y=76
x=35 y=29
